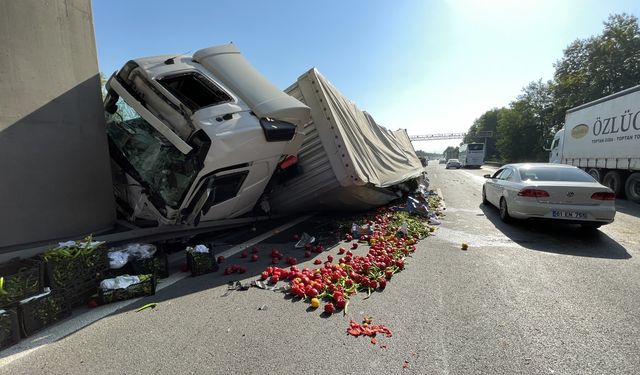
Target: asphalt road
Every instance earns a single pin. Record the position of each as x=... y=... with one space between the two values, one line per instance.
x=523 y=299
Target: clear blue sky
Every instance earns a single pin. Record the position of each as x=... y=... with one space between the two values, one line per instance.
x=427 y=66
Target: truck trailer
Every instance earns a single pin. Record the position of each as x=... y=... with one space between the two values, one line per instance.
x=206 y=138
x=603 y=138
x=347 y=161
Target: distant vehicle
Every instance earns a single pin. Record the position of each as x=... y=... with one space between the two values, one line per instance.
x=601 y=137
x=549 y=191
x=471 y=155
x=442 y=161
x=453 y=163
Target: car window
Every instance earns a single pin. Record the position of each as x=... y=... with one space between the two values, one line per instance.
x=506 y=174
x=554 y=174
x=498 y=172
x=194 y=90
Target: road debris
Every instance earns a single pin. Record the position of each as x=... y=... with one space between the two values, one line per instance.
x=366 y=328
x=151 y=305
x=233 y=286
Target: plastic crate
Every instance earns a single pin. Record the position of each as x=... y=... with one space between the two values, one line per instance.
x=158 y=265
x=22 y=278
x=78 y=276
x=141 y=289
x=201 y=263
x=42 y=311
x=9 y=328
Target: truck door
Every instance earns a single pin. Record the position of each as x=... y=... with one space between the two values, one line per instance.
x=555 y=155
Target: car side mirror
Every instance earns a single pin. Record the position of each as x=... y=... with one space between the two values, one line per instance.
x=487 y=176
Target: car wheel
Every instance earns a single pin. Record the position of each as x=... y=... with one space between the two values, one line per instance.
x=484 y=196
x=504 y=211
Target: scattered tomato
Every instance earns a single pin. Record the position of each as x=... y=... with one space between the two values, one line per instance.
x=329 y=308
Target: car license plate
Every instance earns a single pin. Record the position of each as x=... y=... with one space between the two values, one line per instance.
x=569 y=214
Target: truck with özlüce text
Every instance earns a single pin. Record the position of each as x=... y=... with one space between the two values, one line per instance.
x=603 y=138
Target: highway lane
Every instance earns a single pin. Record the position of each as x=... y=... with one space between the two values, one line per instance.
x=523 y=299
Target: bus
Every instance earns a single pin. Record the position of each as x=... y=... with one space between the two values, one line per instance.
x=471 y=155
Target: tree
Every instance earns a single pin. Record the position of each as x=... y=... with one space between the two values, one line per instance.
x=450 y=152
x=598 y=66
x=487 y=122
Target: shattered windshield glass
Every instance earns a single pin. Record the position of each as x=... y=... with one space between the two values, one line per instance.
x=160 y=165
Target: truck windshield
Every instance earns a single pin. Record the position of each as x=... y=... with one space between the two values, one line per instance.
x=162 y=168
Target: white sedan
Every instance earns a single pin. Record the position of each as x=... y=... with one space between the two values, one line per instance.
x=549 y=191
x=453 y=163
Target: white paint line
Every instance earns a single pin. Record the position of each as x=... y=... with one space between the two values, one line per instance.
x=478 y=179
x=243 y=246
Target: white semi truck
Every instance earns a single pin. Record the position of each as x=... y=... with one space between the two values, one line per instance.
x=603 y=138
x=198 y=138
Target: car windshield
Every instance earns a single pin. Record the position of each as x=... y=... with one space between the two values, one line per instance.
x=554 y=174
x=155 y=160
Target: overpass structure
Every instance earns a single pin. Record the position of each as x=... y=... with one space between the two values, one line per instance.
x=438 y=136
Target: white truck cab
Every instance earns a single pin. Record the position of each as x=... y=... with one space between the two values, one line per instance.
x=196 y=137
x=555 y=154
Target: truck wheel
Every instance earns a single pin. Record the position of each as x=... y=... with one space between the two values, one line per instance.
x=632 y=187
x=613 y=180
x=595 y=173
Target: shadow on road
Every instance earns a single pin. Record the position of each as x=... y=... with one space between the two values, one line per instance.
x=628 y=207
x=558 y=238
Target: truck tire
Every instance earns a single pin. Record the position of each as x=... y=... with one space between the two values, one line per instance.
x=632 y=187
x=595 y=173
x=613 y=180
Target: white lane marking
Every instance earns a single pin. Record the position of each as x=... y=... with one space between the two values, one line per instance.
x=475 y=240
x=475 y=178
x=243 y=246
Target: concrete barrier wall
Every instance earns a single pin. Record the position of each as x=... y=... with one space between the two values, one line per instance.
x=55 y=180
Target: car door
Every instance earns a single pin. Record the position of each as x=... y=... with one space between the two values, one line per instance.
x=503 y=183
x=491 y=186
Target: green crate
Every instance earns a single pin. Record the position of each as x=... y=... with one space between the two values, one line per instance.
x=21 y=278
x=43 y=311
x=9 y=328
x=141 y=289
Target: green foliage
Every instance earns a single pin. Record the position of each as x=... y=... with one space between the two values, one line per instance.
x=590 y=69
x=450 y=153
x=487 y=122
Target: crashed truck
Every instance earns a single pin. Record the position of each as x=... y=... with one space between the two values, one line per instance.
x=207 y=137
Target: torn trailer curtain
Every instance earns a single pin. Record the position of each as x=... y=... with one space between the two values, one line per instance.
x=347 y=161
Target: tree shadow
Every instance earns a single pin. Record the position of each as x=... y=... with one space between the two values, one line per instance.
x=556 y=237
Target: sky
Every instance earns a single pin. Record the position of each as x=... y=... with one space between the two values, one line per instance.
x=428 y=66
